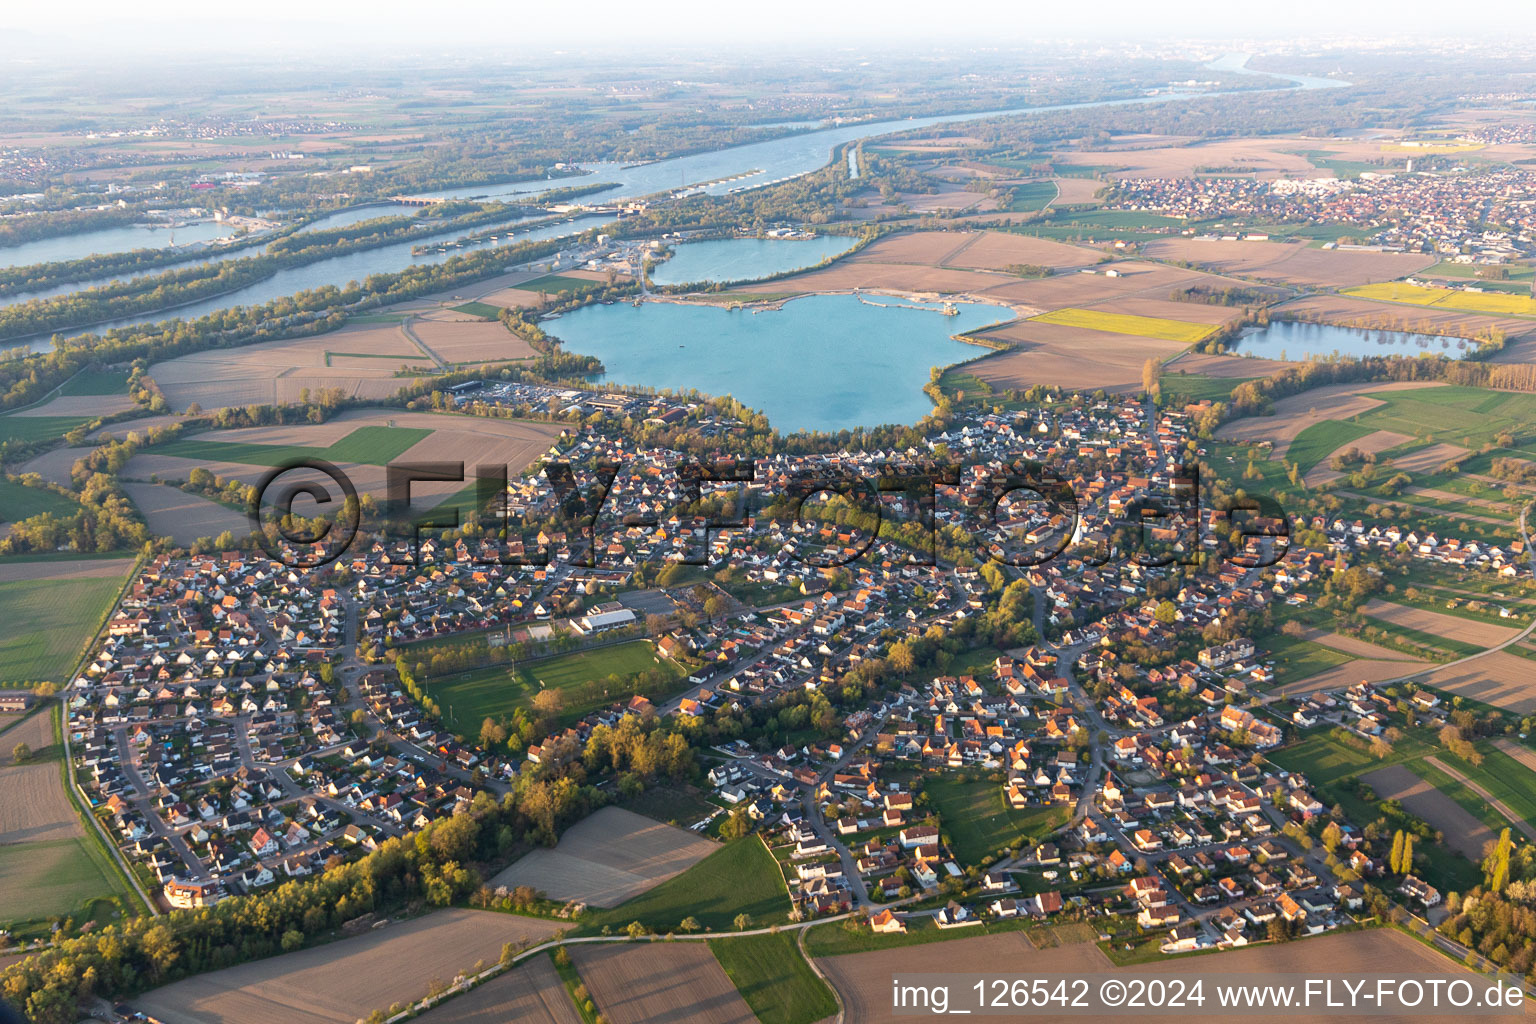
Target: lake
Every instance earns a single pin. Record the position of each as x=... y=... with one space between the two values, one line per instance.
x=1298 y=342
x=823 y=362
x=745 y=259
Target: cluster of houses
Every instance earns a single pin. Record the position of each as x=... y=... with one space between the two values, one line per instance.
x=1488 y=214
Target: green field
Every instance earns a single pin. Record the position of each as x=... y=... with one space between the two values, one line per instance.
x=1299 y=659
x=1469 y=271
x=1315 y=443
x=56 y=877
x=483 y=310
x=368 y=446
x=979 y=822
x=1033 y=195
x=1455 y=415
x=670 y=804
x=18 y=502
x=38 y=428
x=773 y=977
x=559 y=283
x=492 y=692
x=97 y=382
x=46 y=623
x=740 y=878
x=1197 y=387
x=1125 y=323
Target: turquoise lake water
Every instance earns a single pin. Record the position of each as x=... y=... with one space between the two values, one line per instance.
x=824 y=362
x=1298 y=342
x=745 y=259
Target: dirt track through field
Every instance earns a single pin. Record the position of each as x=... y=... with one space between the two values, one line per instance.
x=532 y=993
x=665 y=983
x=347 y=980
x=1463 y=832
x=608 y=858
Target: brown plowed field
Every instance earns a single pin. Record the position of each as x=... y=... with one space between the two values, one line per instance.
x=995 y=250
x=344 y=981
x=662 y=983
x=33 y=804
x=85 y=569
x=864 y=979
x=608 y=858
x=1501 y=679
x=1069 y=356
x=1428 y=460
x=532 y=993
x=1265 y=158
x=1452 y=627
x=362 y=362
x=1226 y=366
x=183 y=517
x=1463 y=832
x=1367 y=670
x=1353 y=646
x=1290 y=262
x=461 y=340
x=80 y=405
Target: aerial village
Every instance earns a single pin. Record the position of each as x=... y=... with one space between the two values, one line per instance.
x=244 y=722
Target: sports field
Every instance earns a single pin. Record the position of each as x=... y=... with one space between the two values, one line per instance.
x=1448 y=298
x=582 y=678
x=47 y=622
x=978 y=822
x=1125 y=323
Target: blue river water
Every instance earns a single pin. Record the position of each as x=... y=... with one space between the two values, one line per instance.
x=718 y=171
x=823 y=362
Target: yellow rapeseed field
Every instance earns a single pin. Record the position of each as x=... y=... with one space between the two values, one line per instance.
x=1125 y=323
x=1504 y=303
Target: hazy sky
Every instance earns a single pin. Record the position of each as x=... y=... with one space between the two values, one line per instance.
x=270 y=26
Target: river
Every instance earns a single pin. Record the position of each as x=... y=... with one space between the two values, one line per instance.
x=719 y=171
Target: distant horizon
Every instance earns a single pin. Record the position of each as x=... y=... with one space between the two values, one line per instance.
x=292 y=29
